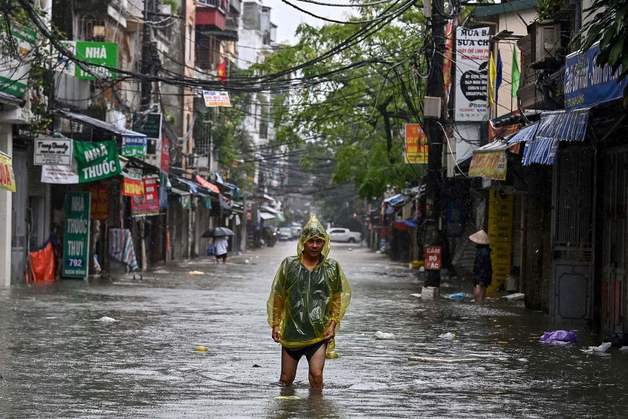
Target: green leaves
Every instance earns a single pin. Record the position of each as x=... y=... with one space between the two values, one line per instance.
x=607 y=22
x=339 y=103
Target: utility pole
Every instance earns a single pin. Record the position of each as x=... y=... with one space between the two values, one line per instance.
x=435 y=139
x=149 y=68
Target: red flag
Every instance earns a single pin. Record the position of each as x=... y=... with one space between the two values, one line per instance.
x=221 y=70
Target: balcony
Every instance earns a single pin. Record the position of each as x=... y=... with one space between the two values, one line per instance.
x=211 y=14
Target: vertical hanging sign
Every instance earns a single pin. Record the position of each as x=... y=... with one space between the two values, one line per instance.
x=76 y=235
x=415 y=148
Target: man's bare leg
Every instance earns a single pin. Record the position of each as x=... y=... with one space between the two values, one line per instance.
x=288 y=368
x=316 y=365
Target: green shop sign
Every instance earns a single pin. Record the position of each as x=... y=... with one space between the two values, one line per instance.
x=96 y=161
x=17 y=43
x=76 y=235
x=104 y=56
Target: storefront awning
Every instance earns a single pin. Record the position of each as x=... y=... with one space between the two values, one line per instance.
x=179 y=192
x=266 y=215
x=570 y=126
x=8 y=99
x=490 y=161
x=542 y=138
x=207 y=185
x=97 y=123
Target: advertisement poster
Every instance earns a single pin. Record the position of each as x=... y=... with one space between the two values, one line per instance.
x=164 y=163
x=416 y=149
x=132 y=184
x=96 y=160
x=57 y=174
x=76 y=235
x=148 y=204
x=134 y=146
x=216 y=99
x=433 y=258
x=100 y=201
x=472 y=50
x=500 y=212
x=50 y=150
x=7 y=178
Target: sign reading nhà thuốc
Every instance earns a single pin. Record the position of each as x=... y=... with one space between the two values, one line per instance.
x=104 y=56
x=96 y=161
x=76 y=235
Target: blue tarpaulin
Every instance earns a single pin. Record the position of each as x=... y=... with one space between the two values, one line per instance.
x=542 y=138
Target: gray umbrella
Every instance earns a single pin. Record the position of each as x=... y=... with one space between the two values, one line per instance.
x=218 y=232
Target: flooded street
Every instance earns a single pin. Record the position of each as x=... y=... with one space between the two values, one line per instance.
x=58 y=360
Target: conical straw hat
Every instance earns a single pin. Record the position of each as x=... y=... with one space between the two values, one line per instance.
x=479 y=237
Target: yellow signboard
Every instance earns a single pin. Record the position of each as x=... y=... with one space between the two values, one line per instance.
x=500 y=208
x=415 y=148
x=489 y=165
x=7 y=178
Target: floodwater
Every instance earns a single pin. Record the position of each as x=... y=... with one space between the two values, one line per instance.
x=58 y=360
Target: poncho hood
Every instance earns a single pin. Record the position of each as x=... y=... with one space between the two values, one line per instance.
x=313 y=229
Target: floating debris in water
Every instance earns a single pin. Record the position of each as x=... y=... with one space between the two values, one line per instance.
x=623 y=349
x=196 y=273
x=450 y=360
x=416 y=295
x=200 y=348
x=522 y=359
x=383 y=335
x=105 y=319
x=514 y=297
x=257 y=366
x=600 y=350
x=447 y=336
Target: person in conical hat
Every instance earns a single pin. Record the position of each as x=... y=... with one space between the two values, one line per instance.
x=482 y=269
x=308 y=299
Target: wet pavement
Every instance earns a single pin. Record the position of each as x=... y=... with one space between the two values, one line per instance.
x=58 y=360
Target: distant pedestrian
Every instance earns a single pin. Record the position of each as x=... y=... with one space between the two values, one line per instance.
x=221 y=244
x=482 y=270
x=309 y=297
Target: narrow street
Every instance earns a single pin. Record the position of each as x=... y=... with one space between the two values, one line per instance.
x=58 y=360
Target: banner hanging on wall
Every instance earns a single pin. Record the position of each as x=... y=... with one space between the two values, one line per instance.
x=472 y=53
x=96 y=160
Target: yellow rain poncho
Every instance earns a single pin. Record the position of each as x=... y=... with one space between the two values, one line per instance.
x=303 y=303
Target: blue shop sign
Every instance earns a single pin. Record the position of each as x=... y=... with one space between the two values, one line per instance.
x=587 y=84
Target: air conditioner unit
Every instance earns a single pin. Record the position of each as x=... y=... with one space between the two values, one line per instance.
x=546 y=40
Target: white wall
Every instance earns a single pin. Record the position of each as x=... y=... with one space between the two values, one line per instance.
x=6 y=146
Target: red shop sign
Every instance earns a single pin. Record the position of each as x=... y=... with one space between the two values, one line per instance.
x=149 y=203
x=433 y=257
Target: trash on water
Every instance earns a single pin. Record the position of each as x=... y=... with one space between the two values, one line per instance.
x=200 y=348
x=196 y=273
x=257 y=366
x=522 y=360
x=447 y=336
x=161 y=271
x=106 y=319
x=416 y=295
x=598 y=350
x=457 y=296
x=623 y=349
x=558 y=337
x=383 y=335
x=247 y=261
x=515 y=297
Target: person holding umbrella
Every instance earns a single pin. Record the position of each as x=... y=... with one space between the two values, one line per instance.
x=221 y=244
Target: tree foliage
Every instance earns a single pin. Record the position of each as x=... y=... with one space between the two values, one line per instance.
x=607 y=22
x=357 y=111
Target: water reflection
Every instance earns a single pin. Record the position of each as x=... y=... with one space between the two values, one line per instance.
x=300 y=402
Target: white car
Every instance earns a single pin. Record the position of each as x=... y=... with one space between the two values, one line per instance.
x=339 y=234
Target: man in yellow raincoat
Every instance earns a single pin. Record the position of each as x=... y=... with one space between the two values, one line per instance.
x=308 y=299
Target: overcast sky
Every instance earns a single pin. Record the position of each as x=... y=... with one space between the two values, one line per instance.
x=287 y=18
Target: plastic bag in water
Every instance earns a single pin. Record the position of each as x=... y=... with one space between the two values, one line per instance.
x=558 y=337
